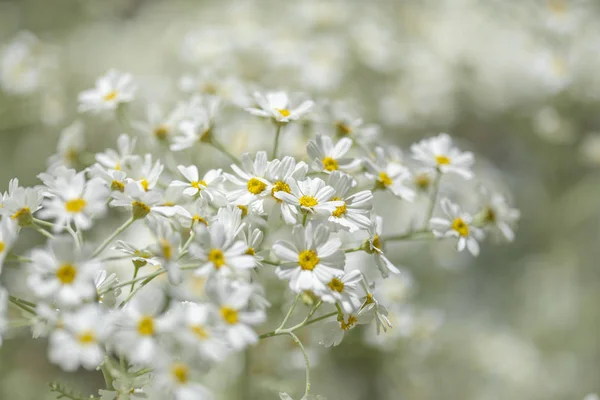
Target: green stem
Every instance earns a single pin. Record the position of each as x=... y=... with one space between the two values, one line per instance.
x=126 y=283
x=306 y=362
x=43 y=223
x=433 y=201
x=135 y=273
x=300 y=325
x=276 y=143
x=18 y=302
x=43 y=231
x=217 y=145
x=289 y=313
x=113 y=236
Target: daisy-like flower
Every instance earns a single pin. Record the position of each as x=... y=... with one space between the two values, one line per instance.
x=9 y=231
x=62 y=273
x=204 y=187
x=458 y=225
x=328 y=157
x=104 y=284
x=126 y=388
x=374 y=246
x=70 y=146
x=334 y=331
x=166 y=250
x=21 y=65
x=311 y=196
x=194 y=325
x=159 y=127
x=80 y=341
x=253 y=239
x=347 y=124
x=250 y=177
x=342 y=289
x=145 y=204
x=21 y=203
x=276 y=105
x=219 y=253
x=312 y=260
x=139 y=325
x=114 y=180
x=388 y=173
x=144 y=171
x=497 y=215
x=197 y=122
x=111 y=89
x=438 y=152
x=76 y=201
x=177 y=379
x=235 y=318
x=138 y=255
x=118 y=159
x=354 y=213
x=278 y=172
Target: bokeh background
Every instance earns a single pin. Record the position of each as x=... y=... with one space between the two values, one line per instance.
x=515 y=81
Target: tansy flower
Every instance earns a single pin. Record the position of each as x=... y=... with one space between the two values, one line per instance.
x=276 y=105
x=342 y=289
x=204 y=187
x=62 y=273
x=177 y=379
x=438 y=152
x=497 y=215
x=118 y=159
x=389 y=174
x=250 y=177
x=20 y=203
x=374 y=246
x=278 y=173
x=159 y=127
x=111 y=90
x=334 y=331
x=312 y=196
x=353 y=215
x=80 y=341
x=457 y=225
x=312 y=260
x=145 y=204
x=144 y=171
x=328 y=157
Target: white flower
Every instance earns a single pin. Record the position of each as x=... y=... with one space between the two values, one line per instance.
x=388 y=173
x=328 y=157
x=497 y=215
x=438 y=152
x=117 y=159
x=62 y=273
x=21 y=65
x=251 y=177
x=312 y=260
x=176 y=379
x=278 y=172
x=194 y=325
x=207 y=186
x=144 y=171
x=159 y=127
x=76 y=201
x=20 y=203
x=166 y=249
x=9 y=232
x=459 y=226
x=334 y=330
x=312 y=196
x=104 y=284
x=139 y=324
x=276 y=105
x=71 y=144
x=197 y=122
x=111 y=89
x=236 y=320
x=375 y=247
x=80 y=341
x=142 y=203
x=126 y=388
x=354 y=213
x=253 y=239
x=342 y=289
x=218 y=253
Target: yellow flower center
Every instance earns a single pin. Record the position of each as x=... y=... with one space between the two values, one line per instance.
x=145 y=184
x=230 y=315
x=460 y=226
x=347 y=325
x=256 y=186
x=376 y=242
x=330 y=164
x=422 y=181
x=117 y=186
x=66 y=273
x=442 y=160
x=198 y=184
x=167 y=249
x=284 y=112
x=308 y=201
x=385 y=179
x=339 y=211
x=180 y=372
x=87 y=337
x=490 y=215
x=336 y=285
x=161 y=132
x=118 y=166
x=2 y=246
x=343 y=129
x=217 y=257
x=308 y=260
x=557 y=6
x=199 y=331
x=23 y=216
x=110 y=96
x=280 y=186
x=146 y=326
x=250 y=251
x=244 y=210
x=75 y=205
x=196 y=218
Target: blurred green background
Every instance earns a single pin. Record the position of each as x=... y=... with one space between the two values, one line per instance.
x=514 y=81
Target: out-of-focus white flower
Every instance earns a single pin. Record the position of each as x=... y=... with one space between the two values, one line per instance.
x=9 y=232
x=312 y=260
x=21 y=65
x=62 y=273
x=80 y=341
x=438 y=152
x=20 y=203
x=497 y=215
x=111 y=89
x=177 y=379
x=145 y=204
x=386 y=172
x=118 y=159
x=328 y=157
x=70 y=146
x=375 y=247
x=458 y=225
x=333 y=331
x=276 y=105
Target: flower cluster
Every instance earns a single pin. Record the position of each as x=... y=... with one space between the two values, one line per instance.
x=208 y=236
